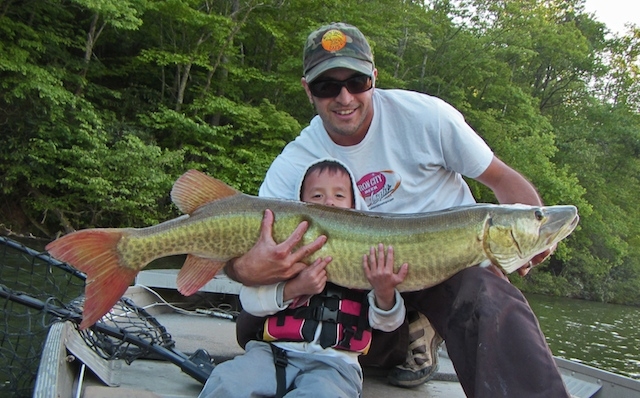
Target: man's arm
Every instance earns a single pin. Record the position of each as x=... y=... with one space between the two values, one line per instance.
x=268 y=262
x=509 y=186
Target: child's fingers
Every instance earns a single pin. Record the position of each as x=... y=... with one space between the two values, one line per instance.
x=369 y=262
x=381 y=260
x=321 y=262
x=402 y=273
x=389 y=259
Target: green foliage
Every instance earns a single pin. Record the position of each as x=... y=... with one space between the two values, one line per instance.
x=104 y=103
x=121 y=14
x=546 y=283
x=256 y=135
x=80 y=176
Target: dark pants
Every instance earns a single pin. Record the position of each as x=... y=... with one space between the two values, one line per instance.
x=492 y=336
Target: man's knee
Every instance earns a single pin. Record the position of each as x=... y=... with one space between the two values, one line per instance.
x=482 y=284
x=388 y=349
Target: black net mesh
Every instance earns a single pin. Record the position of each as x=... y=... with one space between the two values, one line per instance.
x=130 y=320
x=37 y=290
x=24 y=329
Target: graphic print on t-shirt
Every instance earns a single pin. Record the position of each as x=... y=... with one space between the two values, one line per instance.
x=378 y=187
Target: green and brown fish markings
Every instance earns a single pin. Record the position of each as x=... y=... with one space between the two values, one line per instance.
x=222 y=223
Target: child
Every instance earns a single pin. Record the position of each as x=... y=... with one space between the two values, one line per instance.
x=317 y=330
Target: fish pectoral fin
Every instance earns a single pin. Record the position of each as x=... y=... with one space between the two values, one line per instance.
x=196 y=272
x=194 y=189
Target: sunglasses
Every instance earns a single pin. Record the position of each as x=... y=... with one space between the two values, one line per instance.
x=331 y=88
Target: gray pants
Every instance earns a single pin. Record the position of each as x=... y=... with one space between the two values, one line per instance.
x=253 y=374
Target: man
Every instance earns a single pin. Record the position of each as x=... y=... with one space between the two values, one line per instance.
x=408 y=152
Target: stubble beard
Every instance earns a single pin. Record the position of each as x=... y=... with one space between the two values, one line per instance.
x=338 y=130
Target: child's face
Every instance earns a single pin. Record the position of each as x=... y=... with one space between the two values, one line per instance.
x=328 y=188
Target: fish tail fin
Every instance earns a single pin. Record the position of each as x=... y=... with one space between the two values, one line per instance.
x=195 y=273
x=94 y=252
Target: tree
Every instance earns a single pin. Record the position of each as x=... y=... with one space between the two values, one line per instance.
x=104 y=103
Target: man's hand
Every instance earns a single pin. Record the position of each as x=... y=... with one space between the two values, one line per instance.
x=268 y=262
x=379 y=272
x=497 y=271
x=537 y=259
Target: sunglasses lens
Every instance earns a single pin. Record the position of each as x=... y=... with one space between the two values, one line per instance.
x=332 y=88
x=358 y=84
x=325 y=89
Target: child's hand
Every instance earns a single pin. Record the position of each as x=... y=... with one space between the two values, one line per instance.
x=379 y=273
x=309 y=281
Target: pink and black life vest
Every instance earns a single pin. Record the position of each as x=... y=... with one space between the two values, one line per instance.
x=343 y=313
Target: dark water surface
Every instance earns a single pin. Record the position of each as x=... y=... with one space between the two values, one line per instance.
x=605 y=336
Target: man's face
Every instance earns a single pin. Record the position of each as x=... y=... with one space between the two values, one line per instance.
x=347 y=116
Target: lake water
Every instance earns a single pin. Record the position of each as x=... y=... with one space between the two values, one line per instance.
x=605 y=336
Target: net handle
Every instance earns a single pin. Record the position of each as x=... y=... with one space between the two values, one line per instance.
x=199 y=371
x=178 y=358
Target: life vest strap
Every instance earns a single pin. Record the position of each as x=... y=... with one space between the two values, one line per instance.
x=280 y=361
x=343 y=313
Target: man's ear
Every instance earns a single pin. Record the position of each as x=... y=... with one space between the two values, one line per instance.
x=304 y=83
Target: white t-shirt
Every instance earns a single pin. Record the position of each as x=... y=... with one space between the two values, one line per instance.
x=410 y=161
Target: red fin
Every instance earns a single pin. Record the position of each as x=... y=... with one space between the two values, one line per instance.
x=94 y=252
x=195 y=273
x=194 y=189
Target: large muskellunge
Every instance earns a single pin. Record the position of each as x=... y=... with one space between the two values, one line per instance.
x=223 y=223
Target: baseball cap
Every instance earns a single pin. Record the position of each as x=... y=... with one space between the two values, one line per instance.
x=337 y=45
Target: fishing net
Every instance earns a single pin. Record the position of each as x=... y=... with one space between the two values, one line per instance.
x=24 y=329
x=36 y=291
x=131 y=320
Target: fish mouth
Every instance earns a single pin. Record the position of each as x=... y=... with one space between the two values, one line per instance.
x=561 y=221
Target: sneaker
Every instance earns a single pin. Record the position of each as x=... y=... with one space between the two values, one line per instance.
x=421 y=363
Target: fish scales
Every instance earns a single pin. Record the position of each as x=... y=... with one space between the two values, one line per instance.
x=223 y=223
x=435 y=245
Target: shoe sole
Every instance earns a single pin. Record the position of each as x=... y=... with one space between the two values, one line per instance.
x=415 y=382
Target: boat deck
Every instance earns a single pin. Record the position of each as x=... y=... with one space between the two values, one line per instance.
x=147 y=378
x=217 y=336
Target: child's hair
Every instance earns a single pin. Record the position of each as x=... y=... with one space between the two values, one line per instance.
x=331 y=166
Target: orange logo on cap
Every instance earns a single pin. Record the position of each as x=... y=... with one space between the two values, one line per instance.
x=334 y=40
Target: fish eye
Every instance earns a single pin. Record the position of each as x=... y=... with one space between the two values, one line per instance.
x=539 y=215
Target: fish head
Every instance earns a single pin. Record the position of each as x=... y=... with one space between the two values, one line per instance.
x=514 y=234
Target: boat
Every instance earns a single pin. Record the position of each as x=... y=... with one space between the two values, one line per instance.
x=69 y=368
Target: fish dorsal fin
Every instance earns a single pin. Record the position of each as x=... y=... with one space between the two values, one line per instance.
x=194 y=189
